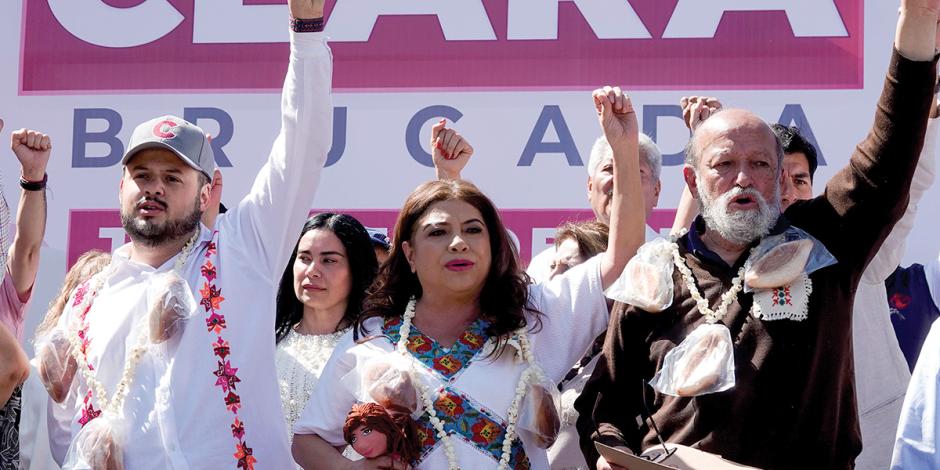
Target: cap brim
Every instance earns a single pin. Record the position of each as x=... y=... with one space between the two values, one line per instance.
x=161 y=145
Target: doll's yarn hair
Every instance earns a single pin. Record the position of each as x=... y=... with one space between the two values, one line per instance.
x=400 y=430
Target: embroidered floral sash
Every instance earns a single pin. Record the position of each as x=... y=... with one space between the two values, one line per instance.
x=446 y=363
x=469 y=420
x=225 y=374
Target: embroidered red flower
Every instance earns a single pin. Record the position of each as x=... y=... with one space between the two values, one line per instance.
x=208 y=271
x=238 y=429
x=485 y=432
x=426 y=435
x=80 y=294
x=215 y=322
x=243 y=454
x=475 y=341
x=211 y=247
x=88 y=411
x=211 y=297
x=419 y=344
x=394 y=321
x=900 y=301
x=227 y=377
x=233 y=402
x=451 y=405
x=447 y=364
x=221 y=348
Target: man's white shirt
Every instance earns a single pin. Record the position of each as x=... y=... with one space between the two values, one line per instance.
x=177 y=413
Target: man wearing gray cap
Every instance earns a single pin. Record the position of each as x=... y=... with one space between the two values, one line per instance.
x=171 y=368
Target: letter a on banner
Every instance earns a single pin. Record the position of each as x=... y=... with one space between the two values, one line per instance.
x=808 y=18
x=461 y=20
x=550 y=115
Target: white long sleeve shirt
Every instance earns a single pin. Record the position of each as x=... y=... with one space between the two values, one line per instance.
x=176 y=407
x=881 y=372
x=574 y=313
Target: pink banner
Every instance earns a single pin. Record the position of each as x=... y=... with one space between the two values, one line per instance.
x=101 y=229
x=497 y=45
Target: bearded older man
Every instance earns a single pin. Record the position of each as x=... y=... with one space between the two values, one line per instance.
x=792 y=403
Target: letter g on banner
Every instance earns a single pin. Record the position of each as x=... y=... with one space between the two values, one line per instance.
x=98 y=23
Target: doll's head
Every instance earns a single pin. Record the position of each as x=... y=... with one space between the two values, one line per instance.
x=373 y=432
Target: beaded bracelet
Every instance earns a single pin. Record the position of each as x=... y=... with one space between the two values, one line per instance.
x=302 y=25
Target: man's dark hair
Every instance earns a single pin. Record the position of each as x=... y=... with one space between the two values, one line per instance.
x=793 y=141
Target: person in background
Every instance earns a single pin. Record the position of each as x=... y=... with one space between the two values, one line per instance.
x=20 y=265
x=379 y=243
x=599 y=184
x=575 y=243
x=318 y=300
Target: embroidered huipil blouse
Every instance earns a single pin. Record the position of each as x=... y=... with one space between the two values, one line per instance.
x=472 y=391
x=208 y=398
x=299 y=361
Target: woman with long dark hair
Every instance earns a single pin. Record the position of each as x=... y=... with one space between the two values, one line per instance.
x=319 y=299
x=453 y=328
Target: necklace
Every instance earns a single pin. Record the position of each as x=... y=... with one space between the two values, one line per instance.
x=532 y=373
x=711 y=316
x=79 y=342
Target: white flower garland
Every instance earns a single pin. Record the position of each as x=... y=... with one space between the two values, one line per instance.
x=115 y=406
x=532 y=372
x=711 y=316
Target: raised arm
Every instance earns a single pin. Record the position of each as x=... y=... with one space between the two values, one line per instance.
x=32 y=149
x=695 y=110
x=627 y=216
x=868 y=196
x=892 y=251
x=15 y=366
x=269 y=218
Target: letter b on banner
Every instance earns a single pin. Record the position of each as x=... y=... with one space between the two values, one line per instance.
x=81 y=137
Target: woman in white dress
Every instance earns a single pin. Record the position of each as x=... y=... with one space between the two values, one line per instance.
x=478 y=342
x=319 y=298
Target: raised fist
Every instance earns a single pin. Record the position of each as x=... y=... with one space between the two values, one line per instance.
x=617 y=117
x=32 y=149
x=450 y=152
x=306 y=9
x=696 y=109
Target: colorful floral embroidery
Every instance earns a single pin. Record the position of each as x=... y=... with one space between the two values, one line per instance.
x=781 y=296
x=473 y=423
x=88 y=411
x=226 y=374
x=447 y=363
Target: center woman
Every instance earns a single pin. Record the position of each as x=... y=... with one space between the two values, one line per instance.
x=478 y=341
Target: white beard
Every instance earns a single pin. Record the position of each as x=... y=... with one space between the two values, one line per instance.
x=740 y=227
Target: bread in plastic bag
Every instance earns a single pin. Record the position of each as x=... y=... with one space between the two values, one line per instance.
x=56 y=365
x=780 y=259
x=703 y=363
x=539 y=413
x=172 y=305
x=99 y=445
x=646 y=281
x=387 y=380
